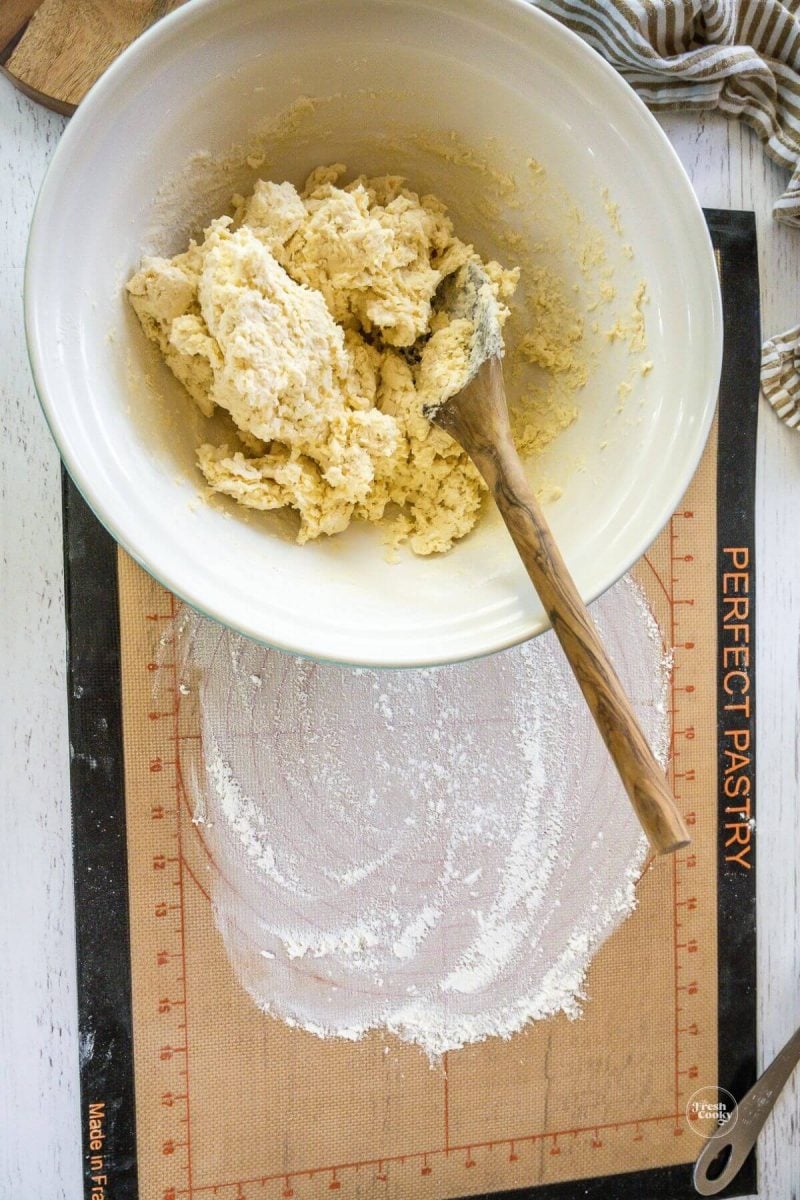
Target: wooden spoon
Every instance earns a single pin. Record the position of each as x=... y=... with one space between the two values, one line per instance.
x=477 y=418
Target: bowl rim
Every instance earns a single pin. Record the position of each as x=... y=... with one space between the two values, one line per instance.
x=304 y=645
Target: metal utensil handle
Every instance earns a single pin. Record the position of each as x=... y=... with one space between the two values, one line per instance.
x=750 y=1117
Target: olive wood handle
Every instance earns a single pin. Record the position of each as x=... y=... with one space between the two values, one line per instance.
x=477 y=418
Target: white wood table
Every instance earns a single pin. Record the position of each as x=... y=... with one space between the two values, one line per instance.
x=39 y=1129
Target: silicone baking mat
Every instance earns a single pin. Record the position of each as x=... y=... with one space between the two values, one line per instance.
x=188 y=1090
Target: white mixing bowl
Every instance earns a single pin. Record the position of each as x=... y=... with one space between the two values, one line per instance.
x=137 y=169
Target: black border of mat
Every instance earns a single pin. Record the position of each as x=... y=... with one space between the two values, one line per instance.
x=97 y=781
x=98 y=794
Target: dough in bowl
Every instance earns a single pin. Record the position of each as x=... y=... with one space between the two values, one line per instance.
x=310 y=318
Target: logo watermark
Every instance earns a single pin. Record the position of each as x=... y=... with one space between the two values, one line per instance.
x=711 y=1109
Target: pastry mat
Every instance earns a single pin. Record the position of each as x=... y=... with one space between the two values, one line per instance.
x=189 y=1091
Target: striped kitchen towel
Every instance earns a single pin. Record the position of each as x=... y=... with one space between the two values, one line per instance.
x=741 y=57
x=780 y=375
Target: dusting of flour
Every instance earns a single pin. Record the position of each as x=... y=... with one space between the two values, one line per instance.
x=437 y=853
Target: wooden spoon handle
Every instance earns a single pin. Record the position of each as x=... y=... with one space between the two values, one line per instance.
x=642 y=776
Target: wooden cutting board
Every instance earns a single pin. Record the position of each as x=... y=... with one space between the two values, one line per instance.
x=54 y=50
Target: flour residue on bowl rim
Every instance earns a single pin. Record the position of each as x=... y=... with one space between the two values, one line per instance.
x=437 y=853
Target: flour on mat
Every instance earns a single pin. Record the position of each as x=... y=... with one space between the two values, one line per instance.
x=436 y=853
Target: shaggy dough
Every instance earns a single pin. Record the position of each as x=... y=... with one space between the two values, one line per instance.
x=309 y=318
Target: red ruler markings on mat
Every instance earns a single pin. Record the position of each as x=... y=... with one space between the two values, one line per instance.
x=169 y=918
